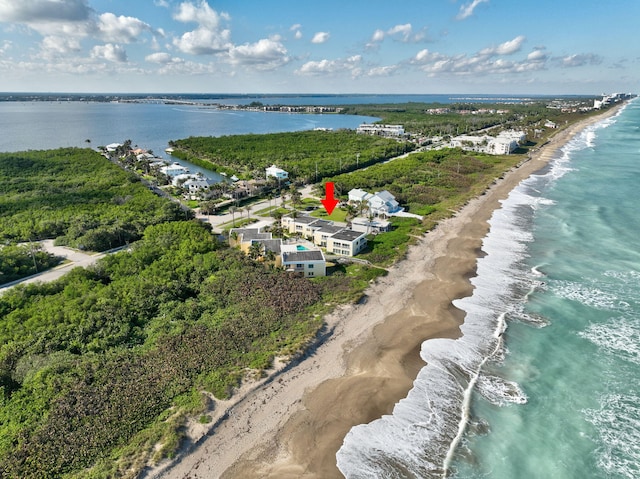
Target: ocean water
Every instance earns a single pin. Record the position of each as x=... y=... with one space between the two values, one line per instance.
x=545 y=382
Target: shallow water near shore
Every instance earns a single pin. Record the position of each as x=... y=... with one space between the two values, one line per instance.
x=546 y=373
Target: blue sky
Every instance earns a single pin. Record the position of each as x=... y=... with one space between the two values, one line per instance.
x=330 y=46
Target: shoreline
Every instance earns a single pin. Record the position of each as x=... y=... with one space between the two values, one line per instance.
x=291 y=424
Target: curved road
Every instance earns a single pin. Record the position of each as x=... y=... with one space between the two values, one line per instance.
x=74 y=258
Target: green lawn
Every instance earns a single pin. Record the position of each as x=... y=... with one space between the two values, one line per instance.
x=338 y=214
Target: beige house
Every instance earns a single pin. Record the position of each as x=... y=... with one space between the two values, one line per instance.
x=311 y=263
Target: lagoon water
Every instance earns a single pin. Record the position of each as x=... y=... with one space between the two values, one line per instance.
x=45 y=125
x=546 y=379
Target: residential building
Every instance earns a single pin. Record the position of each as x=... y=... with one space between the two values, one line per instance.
x=379 y=203
x=277 y=173
x=194 y=185
x=311 y=263
x=370 y=225
x=383 y=203
x=336 y=239
x=346 y=242
x=380 y=130
x=321 y=235
x=174 y=169
x=357 y=194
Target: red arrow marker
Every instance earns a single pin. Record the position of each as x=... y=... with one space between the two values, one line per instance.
x=329 y=201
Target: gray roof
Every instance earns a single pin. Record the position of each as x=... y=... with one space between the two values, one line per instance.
x=249 y=234
x=301 y=256
x=271 y=244
x=330 y=229
x=347 y=235
x=306 y=219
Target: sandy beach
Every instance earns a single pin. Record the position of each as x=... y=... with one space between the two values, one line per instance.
x=291 y=424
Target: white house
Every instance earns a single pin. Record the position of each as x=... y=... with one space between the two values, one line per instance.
x=198 y=184
x=373 y=225
x=277 y=173
x=112 y=147
x=383 y=203
x=346 y=242
x=357 y=194
x=174 y=169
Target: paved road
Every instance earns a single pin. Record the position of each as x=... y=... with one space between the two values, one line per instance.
x=74 y=258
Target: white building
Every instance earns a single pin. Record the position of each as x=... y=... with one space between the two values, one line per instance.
x=357 y=194
x=379 y=203
x=277 y=173
x=174 y=169
x=383 y=203
x=380 y=130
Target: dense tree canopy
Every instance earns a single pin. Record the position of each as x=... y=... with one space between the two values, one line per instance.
x=76 y=196
x=94 y=362
x=302 y=153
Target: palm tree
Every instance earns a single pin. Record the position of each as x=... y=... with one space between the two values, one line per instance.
x=295 y=195
x=255 y=250
x=248 y=210
x=232 y=210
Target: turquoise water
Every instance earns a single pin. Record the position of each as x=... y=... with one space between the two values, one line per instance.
x=581 y=372
x=544 y=382
x=301 y=248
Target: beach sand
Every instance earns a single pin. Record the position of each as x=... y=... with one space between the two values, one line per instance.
x=291 y=424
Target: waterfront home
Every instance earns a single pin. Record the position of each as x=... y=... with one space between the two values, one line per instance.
x=113 y=147
x=195 y=185
x=346 y=242
x=174 y=169
x=383 y=203
x=370 y=225
x=321 y=235
x=294 y=257
x=310 y=263
x=243 y=237
x=336 y=239
x=277 y=173
x=357 y=194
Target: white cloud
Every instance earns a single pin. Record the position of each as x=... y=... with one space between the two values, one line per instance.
x=579 y=60
x=323 y=67
x=204 y=42
x=36 y=11
x=537 y=55
x=382 y=71
x=5 y=47
x=320 y=37
x=403 y=33
x=297 y=31
x=403 y=30
x=210 y=37
x=161 y=3
x=486 y=62
x=56 y=45
x=377 y=36
x=121 y=29
x=265 y=54
x=159 y=57
x=506 y=48
x=111 y=52
x=467 y=9
x=201 y=14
